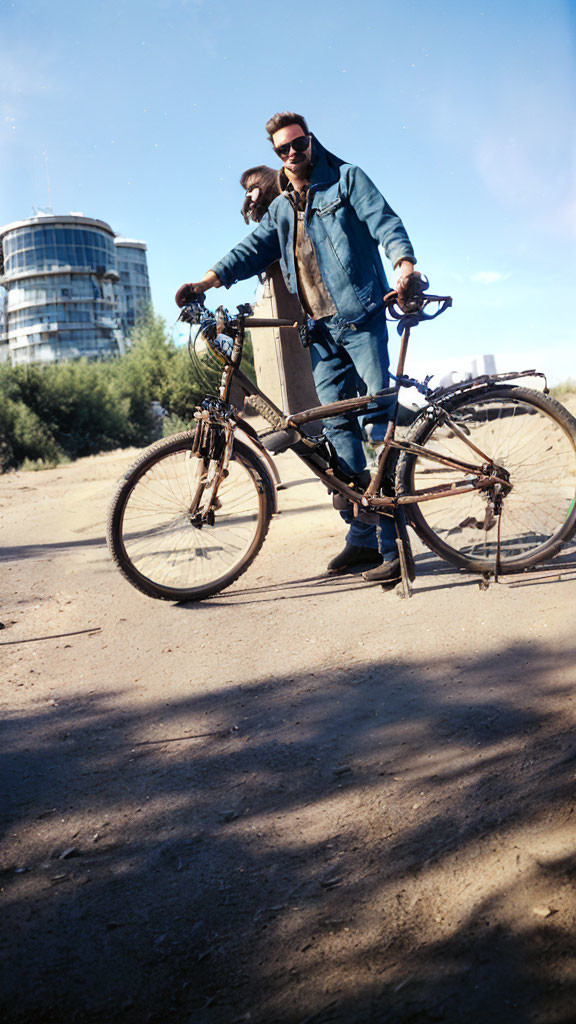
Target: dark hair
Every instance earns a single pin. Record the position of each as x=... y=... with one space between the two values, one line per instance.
x=282 y=120
x=266 y=180
x=267 y=177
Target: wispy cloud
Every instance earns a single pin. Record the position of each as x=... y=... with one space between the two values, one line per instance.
x=513 y=119
x=488 y=277
x=25 y=77
x=24 y=72
x=525 y=155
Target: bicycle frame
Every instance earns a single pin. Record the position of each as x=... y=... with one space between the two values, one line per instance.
x=207 y=479
x=488 y=474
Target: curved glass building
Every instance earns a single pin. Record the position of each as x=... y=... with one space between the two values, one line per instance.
x=133 y=292
x=64 y=294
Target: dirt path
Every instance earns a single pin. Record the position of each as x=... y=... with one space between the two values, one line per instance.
x=304 y=800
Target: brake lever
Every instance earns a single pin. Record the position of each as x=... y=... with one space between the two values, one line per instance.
x=414 y=313
x=193 y=312
x=446 y=301
x=396 y=312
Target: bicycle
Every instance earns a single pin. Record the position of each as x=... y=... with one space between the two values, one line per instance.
x=486 y=474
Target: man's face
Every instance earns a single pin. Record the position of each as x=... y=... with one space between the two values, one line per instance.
x=298 y=163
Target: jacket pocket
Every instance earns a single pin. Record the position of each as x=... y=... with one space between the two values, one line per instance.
x=323 y=211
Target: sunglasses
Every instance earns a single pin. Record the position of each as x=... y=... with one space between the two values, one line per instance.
x=299 y=145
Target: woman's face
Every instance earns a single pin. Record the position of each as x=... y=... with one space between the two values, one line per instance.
x=260 y=190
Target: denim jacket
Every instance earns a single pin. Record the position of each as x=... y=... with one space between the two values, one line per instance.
x=346 y=218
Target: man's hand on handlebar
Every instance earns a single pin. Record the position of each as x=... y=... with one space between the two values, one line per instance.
x=408 y=286
x=188 y=292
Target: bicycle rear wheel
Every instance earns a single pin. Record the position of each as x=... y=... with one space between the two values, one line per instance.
x=151 y=533
x=534 y=438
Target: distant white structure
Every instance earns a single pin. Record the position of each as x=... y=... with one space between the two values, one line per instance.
x=453 y=370
x=72 y=288
x=476 y=366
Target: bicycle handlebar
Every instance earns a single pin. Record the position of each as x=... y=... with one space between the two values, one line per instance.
x=414 y=313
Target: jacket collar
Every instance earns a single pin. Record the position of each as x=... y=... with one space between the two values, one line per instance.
x=326 y=166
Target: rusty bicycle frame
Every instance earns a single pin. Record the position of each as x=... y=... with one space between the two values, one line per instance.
x=368 y=503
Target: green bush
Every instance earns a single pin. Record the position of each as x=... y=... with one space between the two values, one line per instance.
x=67 y=410
x=174 y=425
x=567 y=387
x=23 y=436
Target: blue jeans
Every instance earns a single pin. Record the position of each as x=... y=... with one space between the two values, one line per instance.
x=346 y=363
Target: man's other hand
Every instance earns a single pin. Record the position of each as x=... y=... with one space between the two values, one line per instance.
x=408 y=285
x=188 y=292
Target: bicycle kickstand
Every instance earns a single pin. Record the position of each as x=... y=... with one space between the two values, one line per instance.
x=495 y=573
x=406 y=558
x=405 y=589
x=498 y=563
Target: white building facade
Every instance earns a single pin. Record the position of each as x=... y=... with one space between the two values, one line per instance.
x=70 y=289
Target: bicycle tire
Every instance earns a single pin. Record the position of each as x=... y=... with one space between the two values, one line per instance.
x=151 y=537
x=539 y=514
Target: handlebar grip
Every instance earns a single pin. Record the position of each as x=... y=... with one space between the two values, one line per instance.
x=187 y=294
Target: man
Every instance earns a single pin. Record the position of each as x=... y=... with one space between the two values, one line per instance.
x=325 y=228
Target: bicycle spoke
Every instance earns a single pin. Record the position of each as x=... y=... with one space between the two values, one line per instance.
x=160 y=537
x=534 y=449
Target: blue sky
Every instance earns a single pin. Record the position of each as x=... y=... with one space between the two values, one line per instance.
x=463 y=114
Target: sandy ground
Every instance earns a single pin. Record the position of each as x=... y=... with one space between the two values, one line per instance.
x=304 y=800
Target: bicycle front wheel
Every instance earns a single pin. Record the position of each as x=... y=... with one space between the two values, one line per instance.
x=155 y=537
x=531 y=436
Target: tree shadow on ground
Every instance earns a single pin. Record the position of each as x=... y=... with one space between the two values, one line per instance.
x=41 y=552
x=350 y=846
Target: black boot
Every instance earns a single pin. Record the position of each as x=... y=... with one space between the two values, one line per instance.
x=388 y=571
x=353 y=559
